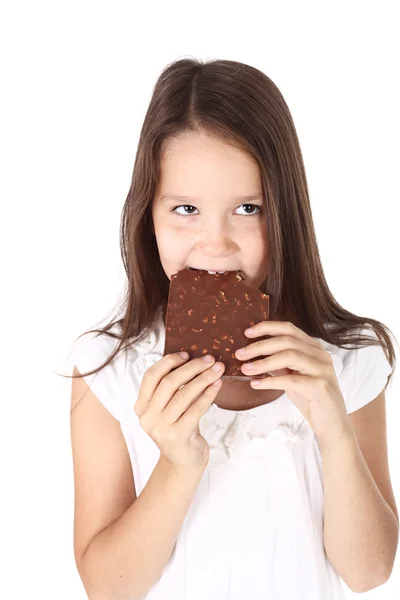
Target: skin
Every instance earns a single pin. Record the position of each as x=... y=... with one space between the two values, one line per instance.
x=217 y=232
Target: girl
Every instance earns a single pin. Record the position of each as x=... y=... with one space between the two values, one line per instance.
x=188 y=486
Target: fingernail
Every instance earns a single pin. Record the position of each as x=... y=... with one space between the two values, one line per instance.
x=208 y=358
x=183 y=354
x=217 y=367
x=248 y=367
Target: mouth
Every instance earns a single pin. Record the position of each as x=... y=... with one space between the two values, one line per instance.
x=217 y=272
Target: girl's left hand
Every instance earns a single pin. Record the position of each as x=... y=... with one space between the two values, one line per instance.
x=307 y=375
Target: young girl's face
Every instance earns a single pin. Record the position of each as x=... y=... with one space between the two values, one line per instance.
x=212 y=228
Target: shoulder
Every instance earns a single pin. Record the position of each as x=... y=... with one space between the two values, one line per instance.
x=92 y=349
x=127 y=368
x=362 y=372
x=89 y=353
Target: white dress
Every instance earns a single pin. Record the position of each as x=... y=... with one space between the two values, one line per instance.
x=255 y=526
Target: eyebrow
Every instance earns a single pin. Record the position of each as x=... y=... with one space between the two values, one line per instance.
x=244 y=198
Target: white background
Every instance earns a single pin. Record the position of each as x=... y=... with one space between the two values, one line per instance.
x=76 y=81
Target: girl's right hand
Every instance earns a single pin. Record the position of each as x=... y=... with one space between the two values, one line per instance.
x=169 y=415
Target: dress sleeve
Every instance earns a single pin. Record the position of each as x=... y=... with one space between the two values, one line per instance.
x=369 y=372
x=88 y=353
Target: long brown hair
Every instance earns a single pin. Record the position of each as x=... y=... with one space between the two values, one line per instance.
x=242 y=106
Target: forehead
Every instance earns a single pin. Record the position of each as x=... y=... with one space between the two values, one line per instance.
x=195 y=167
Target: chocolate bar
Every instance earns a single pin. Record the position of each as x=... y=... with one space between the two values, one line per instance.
x=208 y=314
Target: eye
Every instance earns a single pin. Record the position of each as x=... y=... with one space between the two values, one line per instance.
x=189 y=206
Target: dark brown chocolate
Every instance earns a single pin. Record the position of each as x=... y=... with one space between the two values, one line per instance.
x=208 y=314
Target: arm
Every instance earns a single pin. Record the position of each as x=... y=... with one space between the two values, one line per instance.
x=360 y=529
x=127 y=558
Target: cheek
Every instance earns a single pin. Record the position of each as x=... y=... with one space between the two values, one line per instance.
x=171 y=243
x=174 y=233
x=173 y=236
x=256 y=242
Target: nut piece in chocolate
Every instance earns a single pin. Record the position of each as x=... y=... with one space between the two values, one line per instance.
x=208 y=314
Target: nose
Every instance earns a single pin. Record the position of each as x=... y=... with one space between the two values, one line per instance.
x=215 y=245
x=216 y=233
x=217 y=242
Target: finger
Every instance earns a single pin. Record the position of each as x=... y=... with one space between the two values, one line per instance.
x=282 y=328
x=307 y=386
x=170 y=384
x=189 y=421
x=184 y=397
x=279 y=344
x=152 y=378
x=288 y=359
